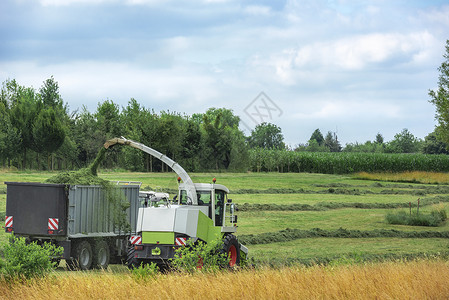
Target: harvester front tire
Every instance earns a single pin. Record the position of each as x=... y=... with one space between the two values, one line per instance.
x=101 y=254
x=131 y=261
x=232 y=249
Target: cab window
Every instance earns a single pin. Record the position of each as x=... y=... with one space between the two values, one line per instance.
x=203 y=197
x=219 y=204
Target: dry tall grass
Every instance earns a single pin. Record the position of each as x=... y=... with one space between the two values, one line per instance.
x=415 y=176
x=412 y=280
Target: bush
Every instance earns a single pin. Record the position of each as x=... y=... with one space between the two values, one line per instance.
x=434 y=219
x=200 y=256
x=24 y=260
x=145 y=271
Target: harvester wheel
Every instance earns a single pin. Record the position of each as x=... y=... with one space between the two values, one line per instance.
x=131 y=261
x=232 y=249
x=101 y=254
x=82 y=256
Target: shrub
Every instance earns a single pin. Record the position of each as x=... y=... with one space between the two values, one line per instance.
x=24 y=260
x=200 y=256
x=435 y=218
x=145 y=271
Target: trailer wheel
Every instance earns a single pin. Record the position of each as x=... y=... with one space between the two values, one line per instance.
x=131 y=261
x=231 y=249
x=101 y=254
x=83 y=255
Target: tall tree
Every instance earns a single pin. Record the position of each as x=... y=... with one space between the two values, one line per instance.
x=403 y=142
x=318 y=137
x=331 y=142
x=379 y=138
x=23 y=113
x=267 y=136
x=9 y=137
x=440 y=98
x=432 y=145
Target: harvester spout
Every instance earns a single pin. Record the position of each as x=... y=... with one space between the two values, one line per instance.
x=190 y=187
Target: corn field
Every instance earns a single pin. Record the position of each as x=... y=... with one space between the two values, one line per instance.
x=262 y=160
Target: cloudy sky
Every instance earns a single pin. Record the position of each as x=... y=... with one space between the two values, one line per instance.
x=355 y=67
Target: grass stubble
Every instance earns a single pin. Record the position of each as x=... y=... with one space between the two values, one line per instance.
x=421 y=279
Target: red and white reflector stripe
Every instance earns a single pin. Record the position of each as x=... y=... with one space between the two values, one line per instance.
x=136 y=240
x=179 y=241
x=8 y=221
x=53 y=223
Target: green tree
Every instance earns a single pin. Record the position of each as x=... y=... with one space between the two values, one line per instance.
x=23 y=113
x=49 y=93
x=403 y=142
x=440 y=98
x=318 y=137
x=331 y=142
x=191 y=146
x=48 y=132
x=432 y=145
x=223 y=140
x=379 y=139
x=9 y=137
x=267 y=136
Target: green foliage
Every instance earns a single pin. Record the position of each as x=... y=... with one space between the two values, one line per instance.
x=145 y=271
x=317 y=136
x=267 y=136
x=24 y=260
x=435 y=218
x=331 y=142
x=48 y=133
x=440 y=98
x=403 y=142
x=200 y=256
x=432 y=145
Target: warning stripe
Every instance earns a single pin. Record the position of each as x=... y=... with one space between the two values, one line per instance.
x=180 y=241
x=53 y=223
x=8 y=221
x=136 y=240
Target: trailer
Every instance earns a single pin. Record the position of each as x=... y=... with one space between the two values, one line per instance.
x=78 y=218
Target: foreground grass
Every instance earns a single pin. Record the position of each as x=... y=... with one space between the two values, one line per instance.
x=403 y=280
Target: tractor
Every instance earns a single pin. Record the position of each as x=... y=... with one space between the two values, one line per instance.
x=199 y=212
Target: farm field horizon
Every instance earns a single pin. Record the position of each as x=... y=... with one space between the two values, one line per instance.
x=304 y=201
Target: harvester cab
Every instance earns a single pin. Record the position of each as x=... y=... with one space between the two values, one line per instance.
x=199 y=212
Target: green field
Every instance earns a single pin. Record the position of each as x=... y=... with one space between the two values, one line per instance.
x=285 y=189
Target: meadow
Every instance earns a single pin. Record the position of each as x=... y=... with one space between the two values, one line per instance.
x=333 y=224
x=272 y=202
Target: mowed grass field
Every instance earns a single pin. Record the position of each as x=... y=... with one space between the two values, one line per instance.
x=409 y=268
x=284 y=189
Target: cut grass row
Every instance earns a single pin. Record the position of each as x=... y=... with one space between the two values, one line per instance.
x=319 y=206
x=349 y=218
x=287 y=235
x=332 y=248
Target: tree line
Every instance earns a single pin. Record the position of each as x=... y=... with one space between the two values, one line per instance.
x=37 y=131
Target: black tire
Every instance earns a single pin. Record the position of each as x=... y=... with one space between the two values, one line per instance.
x=131 y=261
x=83 y=256
x=231 y=248
x=101 y=254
